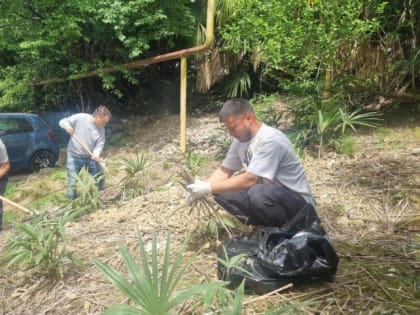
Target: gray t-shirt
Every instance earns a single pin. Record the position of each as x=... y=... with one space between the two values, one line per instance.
x=3 y=153
x=84 y=128
x=269 y=155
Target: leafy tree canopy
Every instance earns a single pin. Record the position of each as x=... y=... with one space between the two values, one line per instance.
x=43 y=39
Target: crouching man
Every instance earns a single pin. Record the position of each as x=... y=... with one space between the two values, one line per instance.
x=260 y=181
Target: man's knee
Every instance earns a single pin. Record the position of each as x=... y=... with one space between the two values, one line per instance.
x=257 y=196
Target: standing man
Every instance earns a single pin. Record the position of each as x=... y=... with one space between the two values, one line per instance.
x=4 y=171
x=87 y=139
x=260 y=181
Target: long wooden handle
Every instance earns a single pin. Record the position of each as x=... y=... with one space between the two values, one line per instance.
x=84 y=146
x=15 y=204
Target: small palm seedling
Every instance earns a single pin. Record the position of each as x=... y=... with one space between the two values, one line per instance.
x=153 y=289
x=41 y=244
x=136 y=165
x=87 y=189
x=136 y=180
x=230 y=263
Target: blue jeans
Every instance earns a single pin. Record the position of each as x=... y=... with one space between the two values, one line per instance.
x=74 y=165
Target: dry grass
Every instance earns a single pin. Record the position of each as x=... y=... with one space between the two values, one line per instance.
x=367 y=204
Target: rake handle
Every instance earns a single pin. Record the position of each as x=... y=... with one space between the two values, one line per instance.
x=84 y=146
x=15 y=204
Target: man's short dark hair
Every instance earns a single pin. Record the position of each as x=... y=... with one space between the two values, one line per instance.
x=234 y=107
x=102 y=111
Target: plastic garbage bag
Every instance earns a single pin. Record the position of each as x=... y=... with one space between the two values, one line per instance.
x=300 y=248
x=298 y=252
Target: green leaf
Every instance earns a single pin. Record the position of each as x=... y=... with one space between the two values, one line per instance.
x=122 y=309
x=117 y=279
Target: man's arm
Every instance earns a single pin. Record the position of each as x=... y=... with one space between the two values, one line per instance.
x=216 y=184
x=99 y=145
x=4 y=168
x=222 y=180
x=235 y=183
x=221 y=173
x=69 y=123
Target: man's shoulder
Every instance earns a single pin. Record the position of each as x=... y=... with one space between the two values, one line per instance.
x=270 y=133
x=274 y=138
x=82 y=115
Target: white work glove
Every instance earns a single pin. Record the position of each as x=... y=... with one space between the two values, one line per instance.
x=199 y=189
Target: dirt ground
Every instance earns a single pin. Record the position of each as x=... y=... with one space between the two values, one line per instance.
x=369 y=205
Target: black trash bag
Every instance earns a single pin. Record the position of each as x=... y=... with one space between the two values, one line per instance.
x=299 y=252
x=258 y=279
x=301 y=248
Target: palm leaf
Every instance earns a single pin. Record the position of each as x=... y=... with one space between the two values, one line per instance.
x=118 y=280
x=368 y=119
x=153 y=288
x=237 y=302
x=122 y=309
x=139 y=282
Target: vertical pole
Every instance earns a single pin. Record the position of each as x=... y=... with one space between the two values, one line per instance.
x=183 y=106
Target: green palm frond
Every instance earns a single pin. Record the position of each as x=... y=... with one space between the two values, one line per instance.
x=238 y=84
x=151 y=285
x=359 y=118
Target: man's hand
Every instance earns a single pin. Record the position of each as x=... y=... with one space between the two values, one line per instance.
x=96 y=158
x=199 y=189
x=70 y=131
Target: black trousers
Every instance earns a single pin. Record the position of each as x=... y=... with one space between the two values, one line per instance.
x=267 y=204
x=3 y=184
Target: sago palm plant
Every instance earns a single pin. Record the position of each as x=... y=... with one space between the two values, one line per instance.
x=153 y=288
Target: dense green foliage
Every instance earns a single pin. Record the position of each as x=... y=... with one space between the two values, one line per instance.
x=327 y=47
x=359 y=49
x=57 y=39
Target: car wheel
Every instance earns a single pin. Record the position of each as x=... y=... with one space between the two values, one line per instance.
x=42 y=159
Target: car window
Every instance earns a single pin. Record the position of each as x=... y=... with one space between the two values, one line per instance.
x=14 y=125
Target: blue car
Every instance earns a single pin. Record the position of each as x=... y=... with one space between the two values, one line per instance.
x=31 y=144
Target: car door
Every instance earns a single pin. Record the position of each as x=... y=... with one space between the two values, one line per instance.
x=16 y=135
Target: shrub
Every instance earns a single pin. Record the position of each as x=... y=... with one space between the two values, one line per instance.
x=41 y=244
